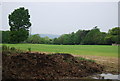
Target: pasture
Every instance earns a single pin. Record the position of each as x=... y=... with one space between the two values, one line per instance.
x=94 y=50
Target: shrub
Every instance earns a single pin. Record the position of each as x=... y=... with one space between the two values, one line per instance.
x=10 y=50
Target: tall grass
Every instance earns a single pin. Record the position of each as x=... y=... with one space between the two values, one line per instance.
x=10 y=50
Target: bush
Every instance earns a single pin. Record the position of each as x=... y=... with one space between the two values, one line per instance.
x=10 y=50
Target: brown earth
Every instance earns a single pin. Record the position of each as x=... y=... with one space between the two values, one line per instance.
x=44 y=66
x=110 y=63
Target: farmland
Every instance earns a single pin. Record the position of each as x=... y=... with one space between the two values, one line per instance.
x=105 y=55
x=94 y=50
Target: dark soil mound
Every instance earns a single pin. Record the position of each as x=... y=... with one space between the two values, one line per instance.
x=42 y=66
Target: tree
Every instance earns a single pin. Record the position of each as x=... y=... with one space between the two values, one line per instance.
x=35 y=39
x=101 y=37
x=80 y=35
x=113 y=36
x=19 y=25
x=72 y=38
x=77 y=37
x=5 y=36
x=67 y=39
x=46 y=40
x=55 y=41
x=93 y=37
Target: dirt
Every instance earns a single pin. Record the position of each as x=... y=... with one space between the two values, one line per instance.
x=110 y=63
x=45 y=66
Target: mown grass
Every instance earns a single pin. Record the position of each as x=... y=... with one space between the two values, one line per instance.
x=95 y=50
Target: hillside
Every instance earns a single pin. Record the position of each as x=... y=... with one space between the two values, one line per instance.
x=52 y=36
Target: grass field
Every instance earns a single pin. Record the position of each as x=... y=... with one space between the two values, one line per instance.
x=96 y=50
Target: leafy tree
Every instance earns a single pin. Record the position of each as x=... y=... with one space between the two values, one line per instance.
x=55 y=41
x=77 y=37
x=62 y=39
x=72 y=38
x=35 y=39
x=113 y=36
x=19 y=25
x=93 y=37
x=67 y=39
x=46 y=40
x=102 y=36
x=5 y=36
x=80 y=35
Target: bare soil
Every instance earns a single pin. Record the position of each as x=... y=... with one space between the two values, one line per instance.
x=45 y=66
x=110 y=63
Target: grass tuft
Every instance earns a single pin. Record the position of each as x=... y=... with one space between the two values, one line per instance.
x=10 y=50
x=81 y=58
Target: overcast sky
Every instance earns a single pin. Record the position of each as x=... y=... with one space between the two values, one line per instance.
x=65 y=17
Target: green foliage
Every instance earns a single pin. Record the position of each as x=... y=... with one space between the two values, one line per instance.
x=94 y=37
x=72 y=38
x=19 y=25
x=5 y=36
x=46 y=40
x=91 y=37
x=29 y=49
x=67 y=39
x=102 y=38
x=4 y=47
x=88 y=37
x=83 y=37
x=10 y=50
x=18 y=36
x=55 y=41
x=113 y=36
x=36 y=39
x=80 y=35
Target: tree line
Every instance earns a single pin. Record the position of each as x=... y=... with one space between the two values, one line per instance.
x=90 y=37
x=19 y=22
x=83 y=37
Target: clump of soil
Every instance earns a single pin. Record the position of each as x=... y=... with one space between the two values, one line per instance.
x=43 y=66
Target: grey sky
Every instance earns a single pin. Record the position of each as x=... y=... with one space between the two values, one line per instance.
x=65 y=17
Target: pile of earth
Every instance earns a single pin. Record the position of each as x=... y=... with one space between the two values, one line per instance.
x=44 y=66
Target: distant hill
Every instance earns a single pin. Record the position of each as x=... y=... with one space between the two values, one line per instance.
x=52 y=36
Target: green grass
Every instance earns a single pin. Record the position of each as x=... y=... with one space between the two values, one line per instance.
x=97 y=50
